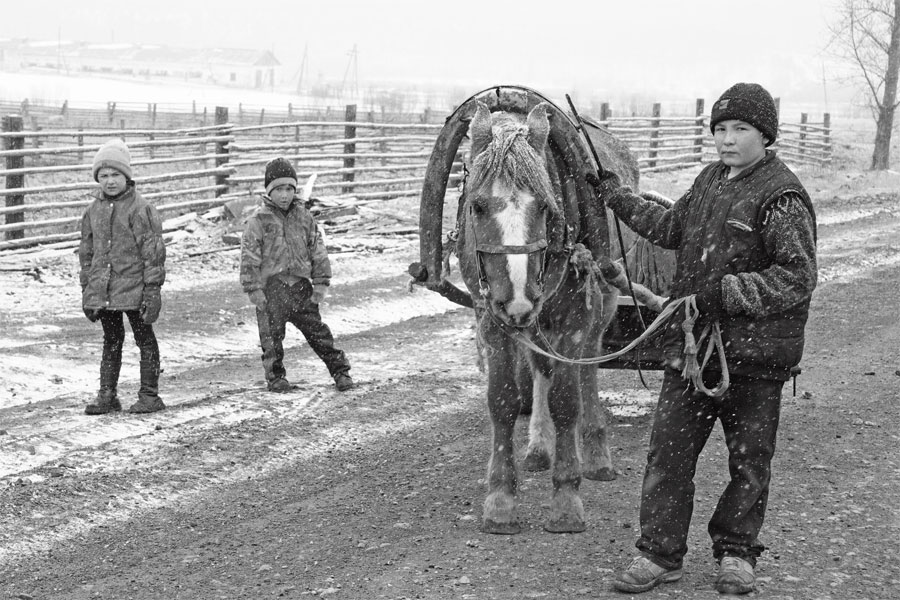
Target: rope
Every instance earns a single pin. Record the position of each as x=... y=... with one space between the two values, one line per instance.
x=692 y=369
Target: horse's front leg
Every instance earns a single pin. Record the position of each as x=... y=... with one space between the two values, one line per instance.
x=503 y=405
x=566 y=508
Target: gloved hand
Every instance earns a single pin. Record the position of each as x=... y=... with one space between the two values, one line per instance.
x=151 y=304
x=605 y=180
x=617 y=199
x=709 y=301
x=318 y=294
x=258 y=298
x=92 y=314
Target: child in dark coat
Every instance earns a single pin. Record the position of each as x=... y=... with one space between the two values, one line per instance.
x=286 y=271
x=122 y=258
x=745 y=242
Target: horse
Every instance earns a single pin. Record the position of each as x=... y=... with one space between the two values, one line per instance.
x=517 y=263
x=532 y=238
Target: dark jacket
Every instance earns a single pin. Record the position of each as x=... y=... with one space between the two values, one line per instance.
x=121 y=252
x=278 y=242
x=755 y=236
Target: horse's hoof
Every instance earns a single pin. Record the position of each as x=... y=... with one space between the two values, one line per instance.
x=604 y=474
x=565 y=526
x=536 y=461
x=491 y=526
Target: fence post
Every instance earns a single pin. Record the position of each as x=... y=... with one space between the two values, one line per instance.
x=262 y=115
x=290 y=111
x=221 y=148
x=36 y=127
x=80 y=144
x=13 y=123
x=349 y=149
x=804 y=119
x=604 y=112
x=700 y=106
x=654 y=134
x=826 y=123
x=111 y=111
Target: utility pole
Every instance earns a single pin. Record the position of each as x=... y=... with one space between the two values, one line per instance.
x=352 y=66
x=304 y=66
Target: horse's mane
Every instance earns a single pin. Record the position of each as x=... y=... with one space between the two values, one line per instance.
x=511 y=159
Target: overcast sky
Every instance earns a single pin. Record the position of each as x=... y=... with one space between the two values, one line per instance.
x=692 y=48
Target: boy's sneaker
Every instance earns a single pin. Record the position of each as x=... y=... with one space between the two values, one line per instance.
x=343 y=382
x=107 y=401
x=279 y=386
x=735 y=576
x=643 y=575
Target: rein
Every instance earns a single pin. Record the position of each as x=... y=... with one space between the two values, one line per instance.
x=692 y=369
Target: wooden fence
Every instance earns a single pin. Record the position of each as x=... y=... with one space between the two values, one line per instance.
x=662 y=143
x=356 y=161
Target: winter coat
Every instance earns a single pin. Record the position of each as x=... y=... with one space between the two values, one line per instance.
x=754 y=235
x=278 y=242
x=121 y=251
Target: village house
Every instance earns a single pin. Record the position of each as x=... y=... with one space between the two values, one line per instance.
x=257 y=69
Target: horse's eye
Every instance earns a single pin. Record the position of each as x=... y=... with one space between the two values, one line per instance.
x=477 y=208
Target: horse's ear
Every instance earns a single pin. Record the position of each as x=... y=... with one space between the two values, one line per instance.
x=480 y=129
x=538 y=127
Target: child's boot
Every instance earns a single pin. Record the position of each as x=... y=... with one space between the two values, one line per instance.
x=343 y=382
x=148 y=396
x=107 y=401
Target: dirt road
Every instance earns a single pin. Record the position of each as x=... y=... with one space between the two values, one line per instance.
x=234 y=493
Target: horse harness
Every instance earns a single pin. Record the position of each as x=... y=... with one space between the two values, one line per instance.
x=539 y=245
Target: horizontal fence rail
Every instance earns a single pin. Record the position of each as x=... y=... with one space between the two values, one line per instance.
x=195 y=165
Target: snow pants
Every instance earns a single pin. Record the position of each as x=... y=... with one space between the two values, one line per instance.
x=684 y=418
x=291 y=304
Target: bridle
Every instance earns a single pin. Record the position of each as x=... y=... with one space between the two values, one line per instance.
x=539 y=245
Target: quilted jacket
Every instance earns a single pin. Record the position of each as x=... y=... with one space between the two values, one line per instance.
x=279 y=242
x=121 y=251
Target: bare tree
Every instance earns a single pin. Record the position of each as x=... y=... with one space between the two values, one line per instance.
x=867 y=34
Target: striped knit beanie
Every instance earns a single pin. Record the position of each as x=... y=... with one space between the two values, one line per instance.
x=279 y=171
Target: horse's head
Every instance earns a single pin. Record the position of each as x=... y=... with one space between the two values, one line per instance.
x=509 y=195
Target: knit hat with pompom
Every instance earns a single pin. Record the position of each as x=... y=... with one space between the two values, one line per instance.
x=113 y=154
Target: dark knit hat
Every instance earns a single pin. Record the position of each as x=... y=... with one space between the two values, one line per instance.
x=748 y=102
x=115 y=155
x=280 y=171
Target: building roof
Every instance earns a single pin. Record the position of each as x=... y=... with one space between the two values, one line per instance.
x=144 y=53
